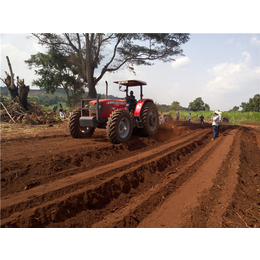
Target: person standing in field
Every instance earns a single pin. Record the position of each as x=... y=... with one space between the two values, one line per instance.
x=189 y=117
x=215 y=124
x=219 y=121
x=178 y=116
x=161 y=119
x=61 y=112
x=201 y=119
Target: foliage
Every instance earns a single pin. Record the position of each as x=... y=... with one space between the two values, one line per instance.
x=207 y=107
x=175 y=105
x=56 y=70
x=42 y=100
x=252 y=105
x=198 y=105
x=88 y=52
x=234 y=116
x=235 y=108
x=237 y=116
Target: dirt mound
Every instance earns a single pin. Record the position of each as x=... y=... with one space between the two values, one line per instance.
x=178 y=178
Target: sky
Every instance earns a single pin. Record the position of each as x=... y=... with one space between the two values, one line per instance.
x=221 y=68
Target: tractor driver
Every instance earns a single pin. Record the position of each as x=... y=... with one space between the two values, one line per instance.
x=131 y=101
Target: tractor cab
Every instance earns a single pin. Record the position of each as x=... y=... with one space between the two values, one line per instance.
x=131 y=104
x=131 y=83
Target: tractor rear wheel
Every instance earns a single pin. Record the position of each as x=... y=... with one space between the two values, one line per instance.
x=119 y=126
x=74 y=127
x=149 y=117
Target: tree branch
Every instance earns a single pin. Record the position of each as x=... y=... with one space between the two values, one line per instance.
x=11 y=72
x=105 y=68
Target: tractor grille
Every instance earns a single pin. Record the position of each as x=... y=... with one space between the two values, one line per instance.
x=93 y=109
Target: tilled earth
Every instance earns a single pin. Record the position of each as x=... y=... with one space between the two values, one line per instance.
x=178 y=178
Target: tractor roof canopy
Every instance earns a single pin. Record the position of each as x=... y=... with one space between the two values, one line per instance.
x=131 y=83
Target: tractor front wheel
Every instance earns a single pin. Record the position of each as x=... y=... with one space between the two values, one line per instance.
x=76 y=131
x=119 y=126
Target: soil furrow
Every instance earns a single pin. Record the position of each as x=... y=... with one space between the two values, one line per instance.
x=177 y=208
x=177 y=178
x=149 y=200
x=29 y=173
x=190 y=147
x=83 y=178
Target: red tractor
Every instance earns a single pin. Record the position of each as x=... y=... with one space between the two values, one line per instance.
x=115 y=116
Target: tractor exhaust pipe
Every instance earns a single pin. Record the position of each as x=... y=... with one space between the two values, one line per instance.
x=98 y=110
x=106 y=89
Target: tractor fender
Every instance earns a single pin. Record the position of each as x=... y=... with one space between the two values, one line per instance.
x=139 y=106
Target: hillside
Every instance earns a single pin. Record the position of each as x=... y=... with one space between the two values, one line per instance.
x=40 y=97
x=37 y=92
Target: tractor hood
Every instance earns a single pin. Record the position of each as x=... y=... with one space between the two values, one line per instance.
x=109 y=101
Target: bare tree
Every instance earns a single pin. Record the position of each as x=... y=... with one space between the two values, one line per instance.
x=22 y=94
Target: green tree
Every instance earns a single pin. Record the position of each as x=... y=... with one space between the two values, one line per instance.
x=253 y=104
x=207 y=107
x=175 y=105
x=198 y=105
x=235 y=108
x=90 y=52
x=56 y=70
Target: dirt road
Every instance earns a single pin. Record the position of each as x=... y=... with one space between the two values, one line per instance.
x=179 y=178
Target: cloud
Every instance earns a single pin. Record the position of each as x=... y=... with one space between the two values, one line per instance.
x=247 y=57
x=181 y=63
x=257 y=71
x=231 y=80
x=225 y=69
x=17 y=58
x=255 y=41
x=220 y=85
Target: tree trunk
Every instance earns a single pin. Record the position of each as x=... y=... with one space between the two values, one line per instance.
x=24 y=90
x=89 y=66
x=65 y=87
x=11 y=86
x=9 y=81
x=91 y=83
x=92 y=90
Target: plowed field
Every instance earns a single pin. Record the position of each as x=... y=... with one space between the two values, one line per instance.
x=178 y=178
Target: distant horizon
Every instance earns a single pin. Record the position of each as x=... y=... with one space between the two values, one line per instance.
x=161 y=104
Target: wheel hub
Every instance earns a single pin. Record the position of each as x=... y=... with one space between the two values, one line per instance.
x=152 y=120
x=123 y=128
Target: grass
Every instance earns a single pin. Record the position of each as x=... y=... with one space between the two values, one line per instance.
x=233 y=116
